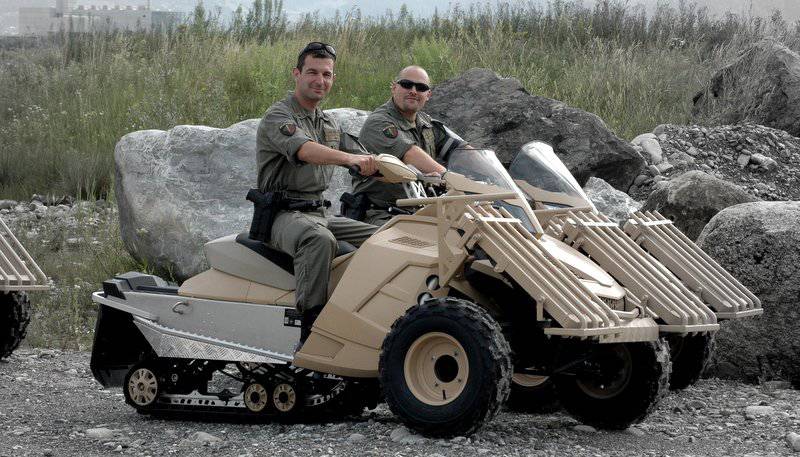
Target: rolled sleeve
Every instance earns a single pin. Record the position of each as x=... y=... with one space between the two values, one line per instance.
x=272 y=138
x=376 y=142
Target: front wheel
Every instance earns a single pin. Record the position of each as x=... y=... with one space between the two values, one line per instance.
x=445 y=367
x=15 y=314
x=613 y=386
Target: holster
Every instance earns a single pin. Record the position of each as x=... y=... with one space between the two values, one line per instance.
x=265 y=208
x=354 y=206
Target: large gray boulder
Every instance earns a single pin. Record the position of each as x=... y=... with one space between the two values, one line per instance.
x=498 y=113
x=693 y=198
x=761 y=86
x=759 y=243
x=180 y=188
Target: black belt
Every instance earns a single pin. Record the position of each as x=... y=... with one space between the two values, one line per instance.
x=299 y=204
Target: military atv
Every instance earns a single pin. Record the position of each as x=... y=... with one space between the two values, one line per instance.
x=18 y=273
x=436 y=313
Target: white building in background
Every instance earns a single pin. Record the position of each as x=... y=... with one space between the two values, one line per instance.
x=43 y=21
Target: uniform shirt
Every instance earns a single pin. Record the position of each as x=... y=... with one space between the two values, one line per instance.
x=285 y=127
x=386 y=131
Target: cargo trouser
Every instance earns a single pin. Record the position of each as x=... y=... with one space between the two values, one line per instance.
x=377 y=217
x=310 y=238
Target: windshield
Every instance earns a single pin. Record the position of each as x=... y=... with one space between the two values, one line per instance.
x=543 y=177
x=482 y=166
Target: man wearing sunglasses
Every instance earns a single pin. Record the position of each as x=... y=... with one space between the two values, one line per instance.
x=400 y=128
x=297 y=145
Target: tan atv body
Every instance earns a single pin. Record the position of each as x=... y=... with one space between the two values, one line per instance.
x=19 y=273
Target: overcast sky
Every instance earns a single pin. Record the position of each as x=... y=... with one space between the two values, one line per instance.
x=790 y=8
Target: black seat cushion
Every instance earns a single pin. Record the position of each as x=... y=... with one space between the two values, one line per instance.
x=280 y=258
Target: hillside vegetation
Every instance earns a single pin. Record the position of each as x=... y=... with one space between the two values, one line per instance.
x=67 y=99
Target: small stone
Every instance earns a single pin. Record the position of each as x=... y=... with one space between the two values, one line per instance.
x=692 y=151
x=398 y=434
x=459 y=439
x=356 y=437
x=584 y=428
x=753 y=412
x=204 y=438
x=743 y=160
x=653 y=170
x=641 y=179
x=793 y=439
x=653 y=150
x=634 y=431
x=100 y=433
x=664 y=166
x=697 y=405
x=47 y=453
x=660 y=129
x=641 y=138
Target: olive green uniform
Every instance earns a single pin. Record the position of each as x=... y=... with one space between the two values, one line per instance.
x=386 y=131
x=310 y=237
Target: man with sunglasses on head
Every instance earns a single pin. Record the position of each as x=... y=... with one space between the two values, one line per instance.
x=400 y=128
x=297 y=147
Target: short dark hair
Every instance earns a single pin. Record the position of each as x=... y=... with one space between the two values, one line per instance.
x=317 y=54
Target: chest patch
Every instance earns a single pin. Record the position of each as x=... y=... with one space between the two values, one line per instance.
x=390 y=131
x=288 y=129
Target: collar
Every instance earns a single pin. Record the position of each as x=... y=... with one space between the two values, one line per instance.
x=301 y=112
x=421 y=119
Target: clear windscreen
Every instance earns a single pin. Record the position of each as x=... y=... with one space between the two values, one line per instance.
x=482 y=166
x=544 y=178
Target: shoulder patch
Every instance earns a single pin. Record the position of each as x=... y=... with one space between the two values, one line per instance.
x=390 y=131
x=288 y=129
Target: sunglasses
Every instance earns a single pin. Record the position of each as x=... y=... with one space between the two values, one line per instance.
x=408 y=84
x=319 y=46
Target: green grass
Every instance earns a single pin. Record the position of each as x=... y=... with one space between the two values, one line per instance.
x=66 y=101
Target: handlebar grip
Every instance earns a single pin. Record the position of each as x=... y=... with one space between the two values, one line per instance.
x=354 y=170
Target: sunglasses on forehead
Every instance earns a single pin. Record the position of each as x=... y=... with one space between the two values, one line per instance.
x=408 y=84
x=319 y=46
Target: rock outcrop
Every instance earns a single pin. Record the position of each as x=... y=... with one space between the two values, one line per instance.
x=764 y=161
x=759 y=243
x=693 y=198
x=498 y=113
x=761 y=86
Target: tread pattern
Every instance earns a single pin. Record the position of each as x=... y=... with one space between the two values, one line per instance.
x=478 y=323
x=691 y=361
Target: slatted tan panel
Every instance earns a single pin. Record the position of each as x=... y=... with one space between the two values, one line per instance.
x=18 y=271
x=713 y=284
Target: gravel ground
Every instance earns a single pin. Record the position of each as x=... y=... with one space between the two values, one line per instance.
x=51 y=405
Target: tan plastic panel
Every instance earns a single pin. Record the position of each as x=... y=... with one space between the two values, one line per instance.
x=217 y=285
x=703 y=275
x=658 y=289
x=18 y=270
x=373 y=294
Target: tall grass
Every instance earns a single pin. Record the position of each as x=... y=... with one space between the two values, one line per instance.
x=66 y=101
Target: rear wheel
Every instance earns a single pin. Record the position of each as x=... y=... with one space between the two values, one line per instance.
x=532 y=394
x=613 y=385
x=690 y=355
x=15 y=314
x=445 y=367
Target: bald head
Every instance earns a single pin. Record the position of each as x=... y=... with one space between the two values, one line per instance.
x=414 y=73
x=410 y=101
